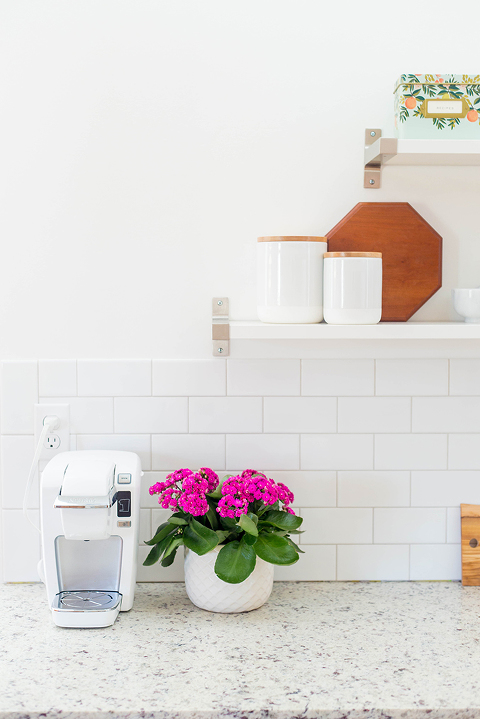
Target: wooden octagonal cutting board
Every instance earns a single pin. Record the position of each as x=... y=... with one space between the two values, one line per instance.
x=411 y=252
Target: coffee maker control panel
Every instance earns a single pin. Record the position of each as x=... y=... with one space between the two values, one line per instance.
x=124 y=504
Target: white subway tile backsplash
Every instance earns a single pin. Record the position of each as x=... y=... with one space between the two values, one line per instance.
x=464 y=451
x=410 y=525
x=88 y=415
x=114 y=378
x=400 y=377
x=148 y=500
x=263 y=377
x=138 y=443
x=337 y=377
x=454 y=530
x=311 y=489
x=337 y=451
x=257 y=451
x=150 y=415
x=435 y=562
x=189 y=378
x=445 y=489
x=157 y=573
x=373 y=489
x=300 y=414
x=57 y=378
x=411 y=451
x=374 y=414
x=145 y=528
x=16 y=458
x=21 y=546
x=19 y=394
x=379 y=493
x=374 y=562
x=316 y=565
x=337 y=526
x=446 y=414
x=172 y=451
x=225 y=414
x=465 y=376
x=159 y=516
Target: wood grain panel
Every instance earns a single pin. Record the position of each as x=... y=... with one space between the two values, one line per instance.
x=411 y=250
x=470 y=545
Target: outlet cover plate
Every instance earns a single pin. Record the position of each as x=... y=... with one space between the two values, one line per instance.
x=62 y=411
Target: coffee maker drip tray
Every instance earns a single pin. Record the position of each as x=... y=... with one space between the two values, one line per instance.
x=86 y=600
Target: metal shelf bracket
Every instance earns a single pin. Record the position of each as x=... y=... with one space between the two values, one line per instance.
x=220 y=327
x=377 y=151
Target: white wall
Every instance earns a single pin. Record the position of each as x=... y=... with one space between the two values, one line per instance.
x=146 y=144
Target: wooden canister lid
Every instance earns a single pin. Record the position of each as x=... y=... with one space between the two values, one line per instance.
x=353 y=254
x=292 y=238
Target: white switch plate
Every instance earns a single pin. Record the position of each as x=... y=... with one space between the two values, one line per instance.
x=62 y=411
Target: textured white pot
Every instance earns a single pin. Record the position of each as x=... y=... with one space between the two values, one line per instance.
x=209 y=592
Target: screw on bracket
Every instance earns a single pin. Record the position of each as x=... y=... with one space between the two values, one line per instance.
x=220 y=326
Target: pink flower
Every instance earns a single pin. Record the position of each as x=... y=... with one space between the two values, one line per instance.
x=250 y=486
x=185 y=490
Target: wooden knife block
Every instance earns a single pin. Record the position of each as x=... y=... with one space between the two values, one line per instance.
x=470 y=515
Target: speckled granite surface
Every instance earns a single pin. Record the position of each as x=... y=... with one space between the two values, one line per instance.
x=314 y=650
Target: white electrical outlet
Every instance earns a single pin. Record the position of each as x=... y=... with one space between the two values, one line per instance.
x=58 y=440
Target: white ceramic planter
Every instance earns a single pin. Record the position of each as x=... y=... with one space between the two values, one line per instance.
x=208 y=592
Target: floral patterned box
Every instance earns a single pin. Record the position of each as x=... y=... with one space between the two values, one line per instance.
x=437 y=107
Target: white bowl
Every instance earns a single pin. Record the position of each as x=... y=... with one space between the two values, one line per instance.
x=467 y=304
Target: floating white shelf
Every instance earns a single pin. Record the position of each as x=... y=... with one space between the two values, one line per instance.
x=384 y=330
x=380 y=151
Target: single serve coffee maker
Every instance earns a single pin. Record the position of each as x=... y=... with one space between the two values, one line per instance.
x=89 y=509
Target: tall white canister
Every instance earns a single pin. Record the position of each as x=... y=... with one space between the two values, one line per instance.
x=290 y=279
x=352 y=288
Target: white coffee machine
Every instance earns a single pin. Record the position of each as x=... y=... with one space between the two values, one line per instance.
x=89 y=510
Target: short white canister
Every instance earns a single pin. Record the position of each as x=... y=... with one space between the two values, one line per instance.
x=352 y=288
x=290 y=279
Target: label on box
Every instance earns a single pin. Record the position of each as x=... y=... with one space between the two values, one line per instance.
x=444 y=107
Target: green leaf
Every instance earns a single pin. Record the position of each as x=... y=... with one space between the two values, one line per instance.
x=163 y=531
x=229 y=523
x=275 y=550
x=217 y=492
x=178 y=521
x=282 y=520
x=198 y=538
x=167 y=561
x=248 y=525
x=292 y=544
x=235 y=562
x=212 y=518
x=249 y=539
x=153 y=555
x=222 y=534
x=171 y=549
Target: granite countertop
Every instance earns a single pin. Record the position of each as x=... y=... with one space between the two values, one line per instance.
x=314 y=650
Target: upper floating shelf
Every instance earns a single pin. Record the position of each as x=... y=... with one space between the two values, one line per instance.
x=381 y=151
x=384 y=330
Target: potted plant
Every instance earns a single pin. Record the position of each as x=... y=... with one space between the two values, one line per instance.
x=233 y=531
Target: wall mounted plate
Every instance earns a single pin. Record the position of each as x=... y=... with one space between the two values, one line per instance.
x=411 y=252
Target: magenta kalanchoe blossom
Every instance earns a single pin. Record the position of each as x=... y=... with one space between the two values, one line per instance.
x=250 y=486
x=185 y=490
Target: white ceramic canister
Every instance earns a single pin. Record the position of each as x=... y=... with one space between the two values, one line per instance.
x=352 y=288
x=290 y=279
